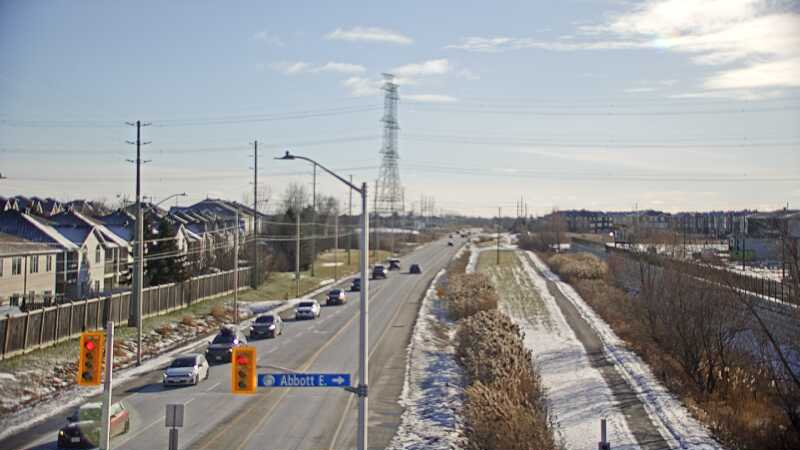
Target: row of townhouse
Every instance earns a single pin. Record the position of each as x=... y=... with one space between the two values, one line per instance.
x=76 y=250
x=771 y=237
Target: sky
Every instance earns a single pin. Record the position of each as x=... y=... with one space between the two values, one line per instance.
x=677 y=105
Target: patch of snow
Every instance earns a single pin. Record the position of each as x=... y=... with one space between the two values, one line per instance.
x=577 y=393
x=433 y=387
x=7 y=376
x=332 y=264
x=326 y=282
x=667 y=413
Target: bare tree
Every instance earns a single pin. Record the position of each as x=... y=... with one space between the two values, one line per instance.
x=295 y=197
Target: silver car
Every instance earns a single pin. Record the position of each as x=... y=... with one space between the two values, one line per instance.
x=186 y=369
x=307 y=309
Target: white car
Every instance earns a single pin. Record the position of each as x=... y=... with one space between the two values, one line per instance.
x=307 y=309
x=186 y=369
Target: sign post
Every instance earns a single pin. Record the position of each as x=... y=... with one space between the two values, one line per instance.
x=173 y=420
x=105 y=426
x=299 y=380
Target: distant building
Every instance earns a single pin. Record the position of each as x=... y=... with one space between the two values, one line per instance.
x=27 y=271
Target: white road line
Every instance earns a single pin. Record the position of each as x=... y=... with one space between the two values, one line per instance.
x=212 y=387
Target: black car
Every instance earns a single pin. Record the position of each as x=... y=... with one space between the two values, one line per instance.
x=415 y=269
x=450 y=243
x=355 y=286
x=378 y=272
x=336 y=297
x=220 y=348
x=266 y=325
x=394 y=264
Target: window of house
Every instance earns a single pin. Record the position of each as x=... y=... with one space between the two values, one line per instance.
x=97 y=254
x=34 y=263
x=109 y=255
x=48 y=263
x=16 y=265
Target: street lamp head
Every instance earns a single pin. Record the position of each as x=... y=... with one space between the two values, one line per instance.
x=286 y=156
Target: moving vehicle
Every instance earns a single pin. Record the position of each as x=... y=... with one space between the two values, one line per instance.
x=355 y=286
x=415 y=269
x=394 y=264
x=450 y=243
x=378 y=272
x=307 y=309
x=83 y=429
x=220 y=348
x=186 y=369
x=336 y=297
x=266 y=325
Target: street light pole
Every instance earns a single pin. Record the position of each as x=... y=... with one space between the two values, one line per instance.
x=363 y=332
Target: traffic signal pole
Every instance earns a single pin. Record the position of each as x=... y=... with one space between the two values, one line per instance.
x=105 y=426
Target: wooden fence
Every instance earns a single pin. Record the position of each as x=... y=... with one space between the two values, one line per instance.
x=21 y=333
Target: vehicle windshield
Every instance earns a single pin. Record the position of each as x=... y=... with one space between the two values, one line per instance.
x=224 y=339
x=184 y=362
x=604 y=196
x=89 y=413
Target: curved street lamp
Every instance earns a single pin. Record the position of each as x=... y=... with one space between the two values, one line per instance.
x=363 y=368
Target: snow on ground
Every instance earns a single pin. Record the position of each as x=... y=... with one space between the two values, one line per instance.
x=576 y=392
x=432 y=391
x=666 y=412
x=332 y=264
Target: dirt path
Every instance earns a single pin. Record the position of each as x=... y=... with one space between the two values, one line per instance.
x=631 y=406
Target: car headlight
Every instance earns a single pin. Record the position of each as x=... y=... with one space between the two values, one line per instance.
x=61 y=432
x=272 y=327
x=164 y=374
x=230 y=350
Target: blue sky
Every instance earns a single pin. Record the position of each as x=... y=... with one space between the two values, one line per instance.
x=668 y=104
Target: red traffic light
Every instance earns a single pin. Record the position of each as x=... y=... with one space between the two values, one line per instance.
x=242 y=360
x=89 y=345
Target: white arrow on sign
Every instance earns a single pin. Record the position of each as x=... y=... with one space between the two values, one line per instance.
x=338 y=380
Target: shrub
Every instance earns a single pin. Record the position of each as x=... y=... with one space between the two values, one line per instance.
x=578 y=266
x=468 y=294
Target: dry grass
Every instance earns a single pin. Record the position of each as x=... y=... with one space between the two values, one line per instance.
x=468 y=294
x=578 y=266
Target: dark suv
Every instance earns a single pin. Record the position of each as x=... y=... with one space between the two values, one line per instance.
x=378 y=272
x=220 y=348
x=355 y=286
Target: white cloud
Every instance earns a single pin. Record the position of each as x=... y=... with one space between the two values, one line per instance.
x=300 y=67
x=430 y=98
x=362 y=87
x=368 y=34
x=291 y=68
x=340 y=68
x=468 y=75
x=757 y=41
x=268 y=38
x=432 y=67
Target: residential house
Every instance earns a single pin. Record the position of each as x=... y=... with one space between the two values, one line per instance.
x=27 y=271
x=765 y=237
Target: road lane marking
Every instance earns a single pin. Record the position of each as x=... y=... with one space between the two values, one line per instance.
x=160 y=419
x=212 y=387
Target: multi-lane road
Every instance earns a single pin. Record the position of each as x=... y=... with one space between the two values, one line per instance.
x=284 y=418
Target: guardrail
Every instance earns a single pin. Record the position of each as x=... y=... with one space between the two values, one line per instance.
x=22 y=333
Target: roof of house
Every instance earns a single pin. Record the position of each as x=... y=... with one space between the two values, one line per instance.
x=15 y=245
x=33 y=228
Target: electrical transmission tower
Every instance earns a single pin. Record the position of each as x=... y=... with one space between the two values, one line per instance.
x=390 y=192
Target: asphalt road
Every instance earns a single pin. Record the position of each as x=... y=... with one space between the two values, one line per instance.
x=287 y=418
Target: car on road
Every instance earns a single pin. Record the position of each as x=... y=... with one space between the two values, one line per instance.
x=415 y=269
x=266 y=325
x=220 y=348
x=186 y=369
x=83 y=429
x=355 y=286
x=450 y=243
x=307 y=309
x=336 y=297
x=394 y=264
x=378 y=271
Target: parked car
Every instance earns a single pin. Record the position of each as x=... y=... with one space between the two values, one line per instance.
x=336 y=297
x=355 y=286
x=307 y=309
x=378 y=272
x=220 y=348
x=186 y=369
x=394 y=264
x=266 y=325
x=83 y=429
x=415 y=269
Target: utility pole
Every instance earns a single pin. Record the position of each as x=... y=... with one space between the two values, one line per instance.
x=336 y=247
x=236 y=270
x=254 y=278
x=350 y=218
x=297 y=254
x=135 y=316
x=377 y=241
x=499 y=215
x=105 y=426
x=313 y=220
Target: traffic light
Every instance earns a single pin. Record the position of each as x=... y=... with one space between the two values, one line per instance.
x=90 y=365
x=243 y=370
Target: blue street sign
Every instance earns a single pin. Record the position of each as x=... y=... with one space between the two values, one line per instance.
x=292 y=380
